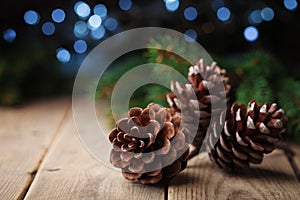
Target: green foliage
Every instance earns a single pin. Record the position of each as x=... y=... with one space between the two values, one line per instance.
x=260 y=90
x=150 y=93
x=156 y=55
x=143 y=95
x=157 y=93
x=27 y=71
x=260 y=76
x=289 y=97
x=257 y=75
x=115 y=72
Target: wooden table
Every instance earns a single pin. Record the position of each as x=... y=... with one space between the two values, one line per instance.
x=41 y=157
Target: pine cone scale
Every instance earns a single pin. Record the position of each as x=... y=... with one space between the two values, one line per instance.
x=148 y=145
x=202 y=79
x=247 y=134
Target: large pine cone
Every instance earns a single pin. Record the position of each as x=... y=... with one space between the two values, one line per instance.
x=202 y=78
x=247 y=135
x=149 y=145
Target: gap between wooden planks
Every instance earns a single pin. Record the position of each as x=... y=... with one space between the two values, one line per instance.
x=69 y=172
x=273 y=179
x=25 y=134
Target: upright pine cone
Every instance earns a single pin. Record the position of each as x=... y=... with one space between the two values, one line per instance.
x=247 y=135
x=149 y=145
x=202 y=78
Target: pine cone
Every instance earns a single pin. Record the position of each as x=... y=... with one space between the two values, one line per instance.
x=149 y=145
x=202 y=78
x=247 y=135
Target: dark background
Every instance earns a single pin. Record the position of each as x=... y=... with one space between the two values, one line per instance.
x=28 y=63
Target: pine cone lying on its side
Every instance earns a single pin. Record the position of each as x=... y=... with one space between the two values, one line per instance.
x=202 y=78
x=248 y=134
x=149 y=145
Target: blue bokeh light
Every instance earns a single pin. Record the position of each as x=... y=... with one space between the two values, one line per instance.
x=125 y=4
x=98 y=33
x=251 y=33
x=172 y=5
x=9 y=35
x=255 y=17
x=80 y=29
x=100 y=10
x=111 y=24
x=190 y=13
x=223 y=14
x=267 y=14
x=63 y=55
x=80 y=46
x=48 y=28
x=58 y=15
x=94 y=22
x=290 y=4
x=190 y=35
x=82 y=9
x=31 y=17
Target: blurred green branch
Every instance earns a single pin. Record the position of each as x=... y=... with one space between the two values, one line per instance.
x=257 y=75
x=27 y=70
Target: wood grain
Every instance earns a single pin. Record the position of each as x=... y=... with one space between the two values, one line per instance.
x=296 y=150
x=69 y=172
x=274 y=179
x=41 y=137
x=25 y=134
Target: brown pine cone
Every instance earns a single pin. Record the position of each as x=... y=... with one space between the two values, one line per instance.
x=247 y=135
x=149 y=145
x=202 y=78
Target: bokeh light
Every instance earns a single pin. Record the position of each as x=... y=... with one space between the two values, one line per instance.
x=100 y=10
x=190 y=13
x=190 y=35
x=80 y=29
x=255 y=17
x=251 y=33
x=125 y=4
x=9 y=35
x=31 y=17
x=80 y=46
x=223 y=14
x=82 y=9
x=98 y=33
x=290 y=4
x=111 y=24
x=94 y=22
x=48 y=28
x=267 y=14
x=63 y=55
x=172 y=5
x=58 y=15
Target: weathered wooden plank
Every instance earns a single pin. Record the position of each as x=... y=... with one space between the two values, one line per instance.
x=69 y=172
x=274 y=179
x=296 y=149
x=25 y=134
